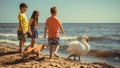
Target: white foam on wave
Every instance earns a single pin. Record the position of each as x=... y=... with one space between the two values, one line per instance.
x=12 y=38
x=13 y=35
x=12 y=42
x=8 y=35
x=8 y=41
x=42 y=37
x=69 y=38
x=62 y=37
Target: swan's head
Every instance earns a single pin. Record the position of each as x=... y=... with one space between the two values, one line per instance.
x=84 y=37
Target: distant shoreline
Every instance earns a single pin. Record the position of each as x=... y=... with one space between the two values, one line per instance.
x=69 y=23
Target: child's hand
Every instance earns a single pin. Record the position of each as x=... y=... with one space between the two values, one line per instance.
x=63 y=33
x=23 y=32
x=30 y=32
x=44 y=36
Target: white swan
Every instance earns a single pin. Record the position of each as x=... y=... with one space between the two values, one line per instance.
x=77 y=48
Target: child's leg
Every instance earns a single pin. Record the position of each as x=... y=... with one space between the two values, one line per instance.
x=51 y=50
x=21 y=43
x=56 y=50
x=33 y=42
x=20 y=46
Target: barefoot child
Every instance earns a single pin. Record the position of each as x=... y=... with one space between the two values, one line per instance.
x=53 y=24
x=23 y=26
x=33 y=25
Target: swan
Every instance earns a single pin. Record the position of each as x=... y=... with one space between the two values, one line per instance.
x=77 y=48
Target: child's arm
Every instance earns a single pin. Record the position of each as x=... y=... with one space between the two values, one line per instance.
x=30 y=22
x=45 y=30
x=21 y=26
x=61 y=28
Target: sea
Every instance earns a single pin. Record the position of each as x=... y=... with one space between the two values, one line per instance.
x=104 y=40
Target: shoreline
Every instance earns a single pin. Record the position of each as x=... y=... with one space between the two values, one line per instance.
x=14 y=59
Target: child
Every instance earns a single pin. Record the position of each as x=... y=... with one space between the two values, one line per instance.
x=53 y=24
x=33 y=25
x=23 y=26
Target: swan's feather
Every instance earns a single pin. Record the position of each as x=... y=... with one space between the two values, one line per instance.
x=76 y=48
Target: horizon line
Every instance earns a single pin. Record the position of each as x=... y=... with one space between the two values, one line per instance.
x=69 y=22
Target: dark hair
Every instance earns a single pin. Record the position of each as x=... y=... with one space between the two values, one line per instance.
x=53 y=10
x=23 y=5
x=35 y=12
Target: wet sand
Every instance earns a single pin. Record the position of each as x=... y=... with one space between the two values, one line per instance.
x=10 y=58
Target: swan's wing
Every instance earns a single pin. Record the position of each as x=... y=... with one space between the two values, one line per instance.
x=76 y=46
x=72 y=45
x=81 y=46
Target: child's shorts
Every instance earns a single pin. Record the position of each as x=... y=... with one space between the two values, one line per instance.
x=21 y=36
x=53 y=41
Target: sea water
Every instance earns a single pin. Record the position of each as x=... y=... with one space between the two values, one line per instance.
x=102 y=36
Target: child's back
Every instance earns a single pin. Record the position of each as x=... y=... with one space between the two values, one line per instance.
x=53 y=24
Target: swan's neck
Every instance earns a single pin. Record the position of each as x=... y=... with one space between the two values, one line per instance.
x=87 y=46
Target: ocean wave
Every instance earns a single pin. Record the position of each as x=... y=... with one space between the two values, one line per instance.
x=114 y=38
x=7 y=27
x=12 y=42
x=105 y=53
x=106 y=39
x=8 y=35
x=96 y=53
x=98 y=38
x=62 y=38
x=92 y=39
x=69 y=38
x=111 y=38
x=115 y=54
x=12 y=35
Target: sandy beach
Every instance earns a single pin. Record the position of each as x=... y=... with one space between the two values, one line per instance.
x=10 y=58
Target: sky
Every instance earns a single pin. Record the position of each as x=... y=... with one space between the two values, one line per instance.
x=69 y=11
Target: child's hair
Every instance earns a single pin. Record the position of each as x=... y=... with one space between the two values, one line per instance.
x=23 y=5
x=53 y=10
x=35 y=12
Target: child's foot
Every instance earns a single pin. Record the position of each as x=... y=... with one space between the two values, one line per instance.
x=56 y=55
x=19 y=51
x=50 y=58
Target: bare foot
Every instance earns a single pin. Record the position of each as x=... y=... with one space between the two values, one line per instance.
x=50 y=57
x=19 y=51
x=56 y=55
